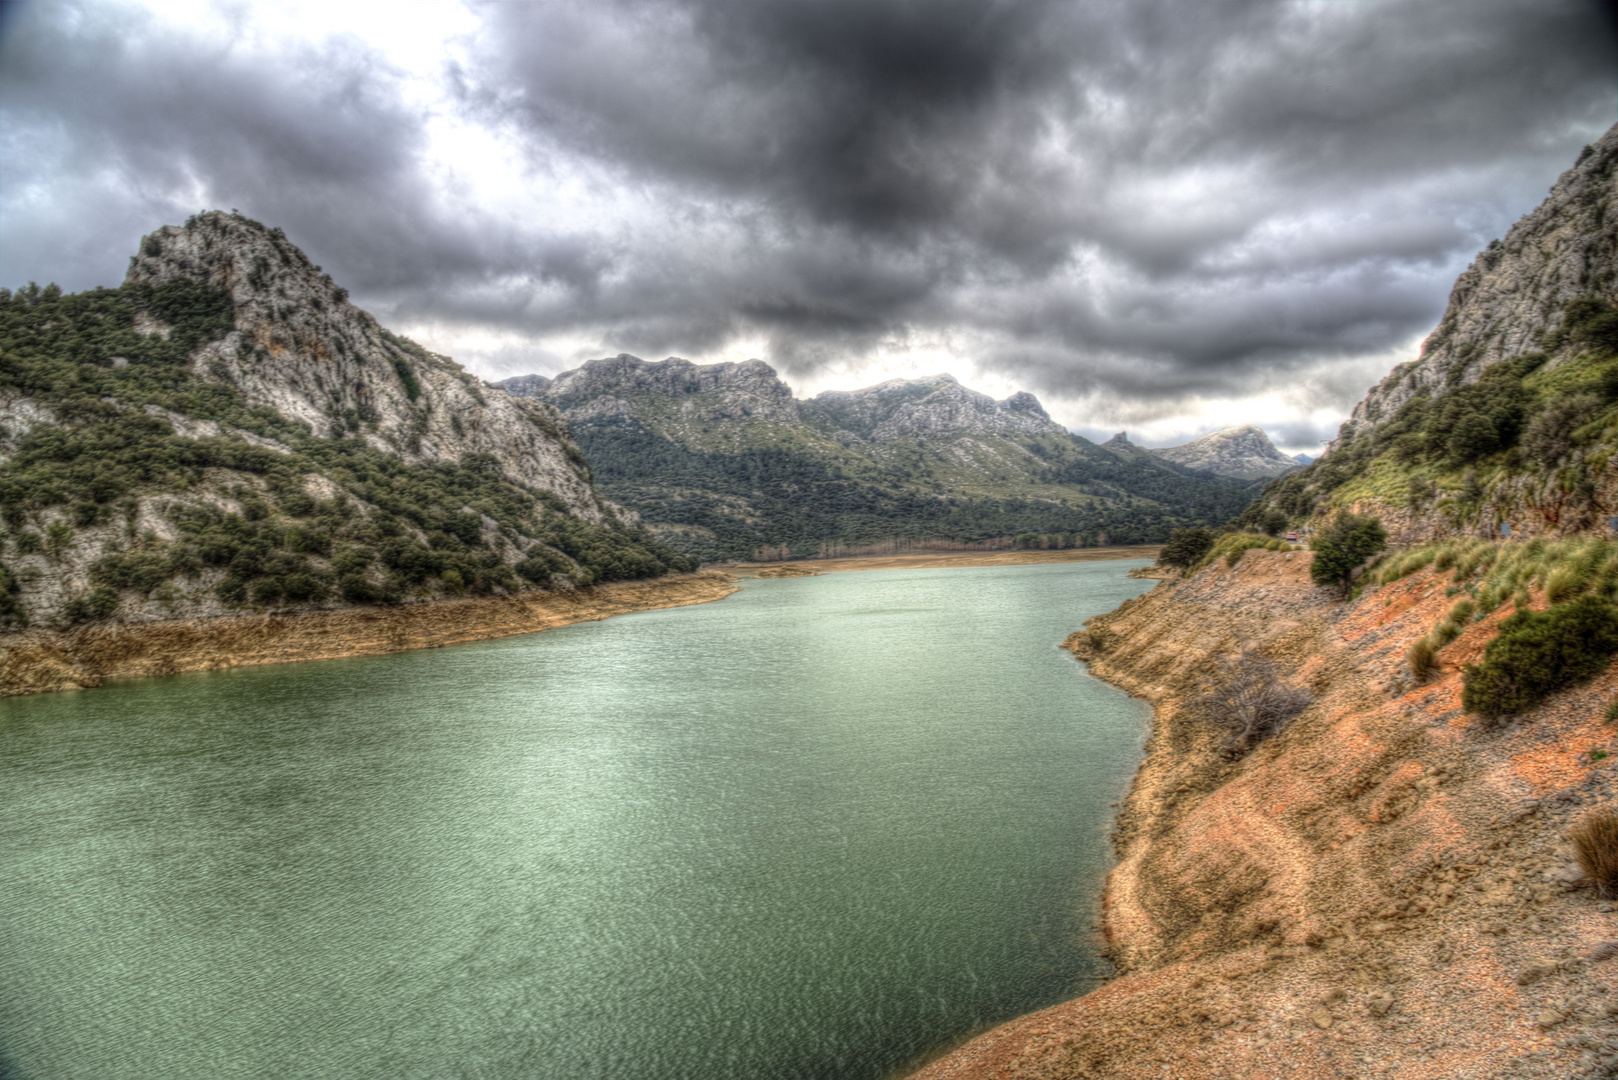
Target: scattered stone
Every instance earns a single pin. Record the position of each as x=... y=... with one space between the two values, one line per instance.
x=1549 y=1018
x=1533 y=973
x=1321 y=1018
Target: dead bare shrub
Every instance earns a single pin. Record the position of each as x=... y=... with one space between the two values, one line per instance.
x=1595 y=840
x=1245 y=695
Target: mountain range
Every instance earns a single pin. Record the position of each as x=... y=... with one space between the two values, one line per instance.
x=722 y=462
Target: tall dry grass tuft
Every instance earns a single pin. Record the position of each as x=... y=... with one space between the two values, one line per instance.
x=1595 y=839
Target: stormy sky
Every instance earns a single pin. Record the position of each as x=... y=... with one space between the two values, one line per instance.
x=1165 y=217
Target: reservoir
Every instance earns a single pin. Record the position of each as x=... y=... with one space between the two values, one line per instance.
x=814 y=830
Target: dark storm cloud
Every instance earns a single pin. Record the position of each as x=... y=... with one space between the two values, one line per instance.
x=1106 y=200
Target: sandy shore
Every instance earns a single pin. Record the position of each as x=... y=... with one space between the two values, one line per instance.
x=44 y=660
x=930 y=560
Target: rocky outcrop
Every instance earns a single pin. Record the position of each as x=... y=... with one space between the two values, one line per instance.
x=299 y=347
x=898 y=408
x=1382 y=889
x=731 y=391
x=1245 y=453
x=1512 y=299
x=226 y=433
x=926 y=408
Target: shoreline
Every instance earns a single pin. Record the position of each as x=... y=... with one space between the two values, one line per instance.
x=42 y=661
x=1344 y=899
x=930 y=560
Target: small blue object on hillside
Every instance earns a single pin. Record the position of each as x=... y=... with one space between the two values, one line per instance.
x=1505 y=528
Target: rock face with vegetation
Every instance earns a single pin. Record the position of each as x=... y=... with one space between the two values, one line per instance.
x=1510 y=415
x=723 y=462
x=1245 y=453
x=226 y=433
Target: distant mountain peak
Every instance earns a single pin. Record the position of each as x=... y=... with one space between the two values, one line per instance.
x=1244 y=452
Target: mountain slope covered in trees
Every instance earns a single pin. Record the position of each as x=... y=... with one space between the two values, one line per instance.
x=722 y=462
x=225 y=432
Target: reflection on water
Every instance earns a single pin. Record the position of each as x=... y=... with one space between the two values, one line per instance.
x=811 y=831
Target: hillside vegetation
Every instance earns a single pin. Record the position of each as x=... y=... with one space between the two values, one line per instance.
x=138 y=478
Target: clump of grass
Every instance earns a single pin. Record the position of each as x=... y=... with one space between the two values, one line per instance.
x=1612 y=712
x=1595 y=841
x=1232 y=546
x=1423 y=654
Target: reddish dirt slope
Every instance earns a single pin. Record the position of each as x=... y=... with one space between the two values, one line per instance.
x=1384 y=889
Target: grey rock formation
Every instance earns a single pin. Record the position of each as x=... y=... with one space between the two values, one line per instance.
x=898 y=408
x=302 y=349
x=1244 y=453
x=748 y=390
x=1511 y=299
x=901 y=408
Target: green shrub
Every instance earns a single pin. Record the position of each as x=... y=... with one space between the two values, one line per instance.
x=1538 y=653
x=1344 y=546
x=1186 y=547
x=13 y=616
x=99 y=603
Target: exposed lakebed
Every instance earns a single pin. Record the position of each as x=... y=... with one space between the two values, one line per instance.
x=813 y=830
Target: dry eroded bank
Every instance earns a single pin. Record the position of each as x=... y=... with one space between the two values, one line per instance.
x=39 y=661
x=1382 y=890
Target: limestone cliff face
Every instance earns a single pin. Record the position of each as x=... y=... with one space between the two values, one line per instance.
x=1245 y=453
x=1382 y=889
x=938 y=406
x=1513 y=296
x=748 y=390
x=303 y=350
x=899 y=408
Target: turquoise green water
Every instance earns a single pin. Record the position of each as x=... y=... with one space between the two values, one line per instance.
x=812 y=830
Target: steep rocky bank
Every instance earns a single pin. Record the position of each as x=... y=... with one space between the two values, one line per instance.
x=41 y=661
x=1384 y=889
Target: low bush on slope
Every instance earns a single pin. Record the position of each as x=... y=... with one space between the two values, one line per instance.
x=1540 y=652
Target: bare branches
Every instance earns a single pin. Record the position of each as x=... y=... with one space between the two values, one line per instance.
x=1245 y=694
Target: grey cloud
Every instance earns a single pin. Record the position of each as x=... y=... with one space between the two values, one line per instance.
x=1153 y=201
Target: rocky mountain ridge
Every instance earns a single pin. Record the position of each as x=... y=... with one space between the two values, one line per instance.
x=299 y=347
x=722 y=461
x=1243 y=452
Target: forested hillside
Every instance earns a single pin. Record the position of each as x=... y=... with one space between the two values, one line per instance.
x=722 y=462
x=225 y=432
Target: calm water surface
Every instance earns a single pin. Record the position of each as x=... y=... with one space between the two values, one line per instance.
x=813 y=830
